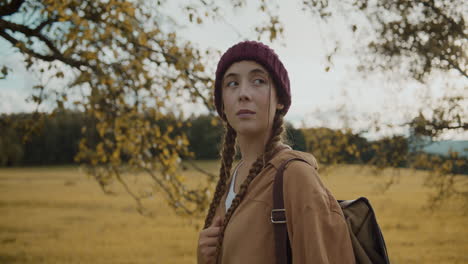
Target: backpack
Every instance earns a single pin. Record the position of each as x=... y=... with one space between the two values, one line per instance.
x=366 y=236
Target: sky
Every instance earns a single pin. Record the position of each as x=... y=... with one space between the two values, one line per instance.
x=316 y=94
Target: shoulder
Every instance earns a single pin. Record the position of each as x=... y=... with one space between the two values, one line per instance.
x=299 y=174
x=303 y=177
x=302 y=185
x=287 y=154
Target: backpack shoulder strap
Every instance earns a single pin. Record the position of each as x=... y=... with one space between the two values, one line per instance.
x=278 y=216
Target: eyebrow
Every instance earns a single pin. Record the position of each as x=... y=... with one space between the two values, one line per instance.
x=256 y=70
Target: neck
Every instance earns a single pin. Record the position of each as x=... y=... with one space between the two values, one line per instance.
x=252 y=147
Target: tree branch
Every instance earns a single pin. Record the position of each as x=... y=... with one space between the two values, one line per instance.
x=171 y=197
x=198 y=93
x=464 y=126
x=56 y=54
x=11 y=8
x=15 y=42
x=196 y=167
x=125 y=185
x=44 y=23
x=454 y=65
x=460 y=28
x=30 y=33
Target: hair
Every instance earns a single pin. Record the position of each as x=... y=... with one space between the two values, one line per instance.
x=227 y=157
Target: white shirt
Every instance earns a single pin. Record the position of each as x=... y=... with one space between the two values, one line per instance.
x=231 y=194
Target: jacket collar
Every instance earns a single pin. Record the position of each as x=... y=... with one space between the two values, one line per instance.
x=287 y=153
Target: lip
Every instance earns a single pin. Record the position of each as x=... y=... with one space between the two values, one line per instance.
x=245 y=112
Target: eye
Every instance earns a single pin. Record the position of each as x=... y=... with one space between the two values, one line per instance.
x=259 y=81
x=231 y=84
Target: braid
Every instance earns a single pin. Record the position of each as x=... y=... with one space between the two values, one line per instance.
x=257 y=166
x=227 y=157
x=276 y=136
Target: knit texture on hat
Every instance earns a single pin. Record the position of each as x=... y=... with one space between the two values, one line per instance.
x=263 y=55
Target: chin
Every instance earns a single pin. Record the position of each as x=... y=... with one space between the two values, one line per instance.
x=250 y=130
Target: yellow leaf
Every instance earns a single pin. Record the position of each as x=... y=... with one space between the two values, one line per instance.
x=142 y=39
x=173 y=50
x=168 y=86
x=165 y=152
x=116 y=154
x=214 y=121
x=199 y=67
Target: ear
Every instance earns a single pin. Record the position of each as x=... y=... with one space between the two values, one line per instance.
x=279 y=106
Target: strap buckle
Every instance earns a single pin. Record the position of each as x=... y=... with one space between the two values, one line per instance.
x=282 y=219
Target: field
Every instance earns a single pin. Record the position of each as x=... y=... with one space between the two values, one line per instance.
x=59 y=215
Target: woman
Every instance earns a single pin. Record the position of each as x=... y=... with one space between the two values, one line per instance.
x=252 y=95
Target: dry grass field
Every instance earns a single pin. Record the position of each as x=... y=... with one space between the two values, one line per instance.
x=58 y=215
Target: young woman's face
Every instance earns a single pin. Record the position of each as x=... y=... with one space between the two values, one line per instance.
x=249 y=98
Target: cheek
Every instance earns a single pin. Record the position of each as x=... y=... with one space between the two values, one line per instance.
x=224 y=99
x=227 y=104
x=272 y=102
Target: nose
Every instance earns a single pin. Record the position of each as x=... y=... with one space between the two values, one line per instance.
x=244 y=91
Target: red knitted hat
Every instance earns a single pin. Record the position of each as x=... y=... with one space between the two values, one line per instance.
x=263 y=55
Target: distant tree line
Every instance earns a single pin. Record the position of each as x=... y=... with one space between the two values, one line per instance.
x=343 y=146
x=57 y=142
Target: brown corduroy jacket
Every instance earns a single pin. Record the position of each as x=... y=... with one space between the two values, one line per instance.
x=316 y=227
